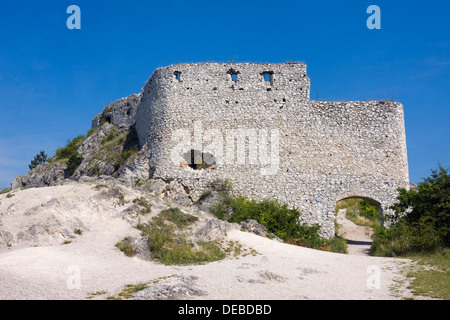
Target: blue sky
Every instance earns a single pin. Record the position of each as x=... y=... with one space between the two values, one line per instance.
x=53 y=80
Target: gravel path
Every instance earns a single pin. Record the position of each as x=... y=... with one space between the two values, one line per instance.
x=358 y=237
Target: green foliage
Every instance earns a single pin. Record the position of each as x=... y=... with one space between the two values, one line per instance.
x=360 y=212
x=177 y=217
x=336 y=244
x=369 y=211
x=126 y=246
x=278 y=219
x=138 y=182
x=40 y=158
x=169 y=246
x=224 y=186
x=206 y=193
x=70 y=149
x=431 y=275
x=111 y=136
x=73 y=163
x=421 y=220
x=122 y=157
x=142 y=202
x=5 y=190
x=90 y=132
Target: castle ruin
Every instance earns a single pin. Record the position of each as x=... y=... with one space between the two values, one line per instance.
x=254 y=124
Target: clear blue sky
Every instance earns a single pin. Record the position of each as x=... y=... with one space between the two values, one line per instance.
x=53 y=81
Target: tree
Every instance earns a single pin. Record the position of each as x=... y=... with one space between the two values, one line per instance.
x=422 y=218
x=429 y=205
x=39 y=159
x=73 y=163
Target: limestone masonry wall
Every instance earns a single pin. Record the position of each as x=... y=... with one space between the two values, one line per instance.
x=255 y=125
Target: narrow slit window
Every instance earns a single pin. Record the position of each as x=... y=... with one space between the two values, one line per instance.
x=233 y=74
x=177 y=75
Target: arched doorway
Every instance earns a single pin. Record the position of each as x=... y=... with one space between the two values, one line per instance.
x=355 y=219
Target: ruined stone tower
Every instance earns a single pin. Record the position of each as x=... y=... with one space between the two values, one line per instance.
x=254 y=124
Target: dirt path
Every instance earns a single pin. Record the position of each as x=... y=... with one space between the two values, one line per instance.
x=358 y=237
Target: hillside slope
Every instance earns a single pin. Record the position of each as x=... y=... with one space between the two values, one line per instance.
x=43 y=257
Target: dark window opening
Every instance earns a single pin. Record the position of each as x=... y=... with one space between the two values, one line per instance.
x=177 y=75
x=234 y=74
x=199 y=160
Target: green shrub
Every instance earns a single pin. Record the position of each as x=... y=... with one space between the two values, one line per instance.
x=111 y=136
x=369 y=211
x=70 y=149
x=336 y=244
x=73 y=163
x=90 y=132
x=177 y=217
x=360 y=212
x=142 y=202
x=421 y=219
x=122 y=157
x=168 y=246
x=126 y=246
x=276 y=217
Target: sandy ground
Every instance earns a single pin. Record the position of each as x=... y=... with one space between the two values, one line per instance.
x=358 y=237
x=92 y=264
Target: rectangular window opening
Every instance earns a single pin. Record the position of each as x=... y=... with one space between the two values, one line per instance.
x=234 y=77
x=267 y=76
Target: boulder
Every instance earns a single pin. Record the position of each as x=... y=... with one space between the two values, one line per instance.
x=213 y=229
x=254 y=227
x=5 y=237
x=141 y=248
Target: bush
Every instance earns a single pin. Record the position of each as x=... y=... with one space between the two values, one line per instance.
x=111 y=136
x=169 y=246
x=421 y=219
x=74 y=162
x=369 y=211
x=70 y=149
x=360 y=212
x=177 y=217
x=39 y=159
x=142 y=202
x=278 y=219
x=123 y=156
x=126 y=246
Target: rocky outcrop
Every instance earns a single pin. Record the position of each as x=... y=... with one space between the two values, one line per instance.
x=108 y=151
x=120 y=113
x=141 y=249
x=255 y=227
x=212 y=230
x=47 y=174
x=173 y=288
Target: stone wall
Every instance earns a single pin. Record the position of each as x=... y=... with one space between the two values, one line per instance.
x=269 y=139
